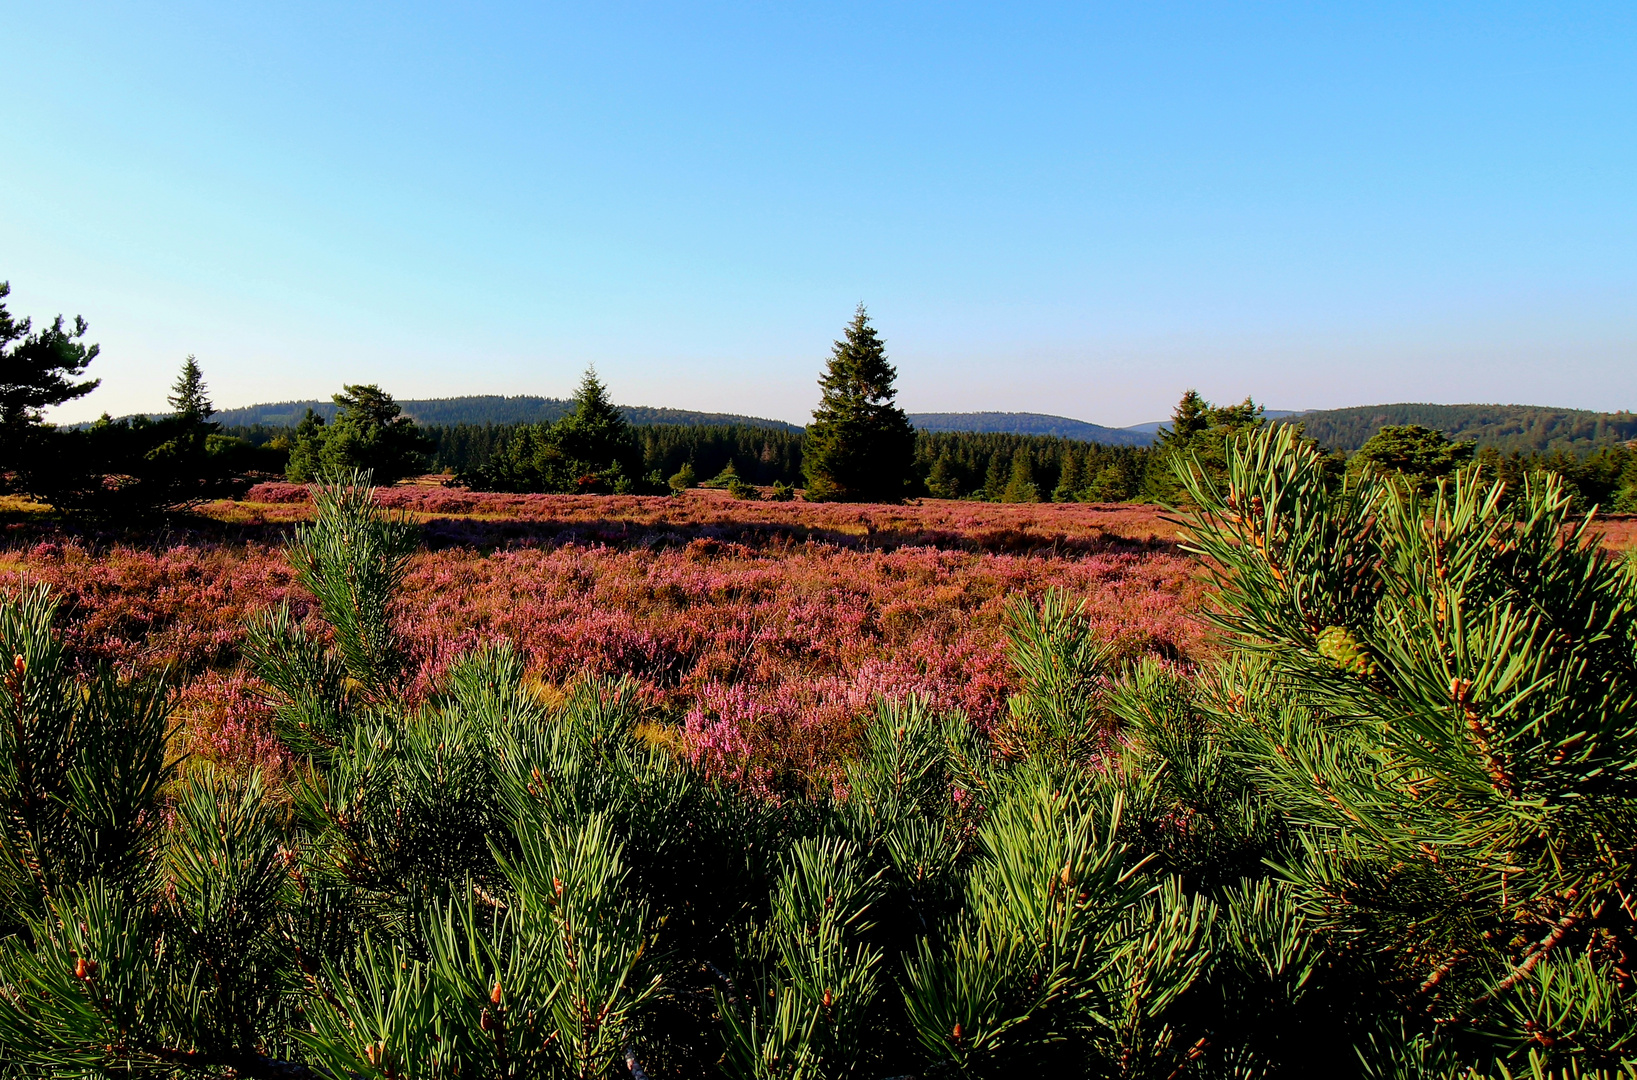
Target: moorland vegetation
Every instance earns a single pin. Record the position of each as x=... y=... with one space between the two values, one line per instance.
x=1385 y=827
x=562 y=780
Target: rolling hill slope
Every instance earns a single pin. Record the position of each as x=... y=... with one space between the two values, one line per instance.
x=485 y=409
x=1022 y=423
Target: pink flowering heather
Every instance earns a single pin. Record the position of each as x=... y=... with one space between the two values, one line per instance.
x=764 y=632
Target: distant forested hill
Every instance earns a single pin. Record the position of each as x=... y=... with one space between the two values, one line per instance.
x=1022 y=423
x=484 y=409
x=1526 y=428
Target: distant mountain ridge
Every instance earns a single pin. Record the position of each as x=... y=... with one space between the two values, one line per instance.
x=1525 y=428
x=1024 y=423
x=486 y=409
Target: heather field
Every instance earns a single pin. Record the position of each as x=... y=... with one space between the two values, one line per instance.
x=759 y=632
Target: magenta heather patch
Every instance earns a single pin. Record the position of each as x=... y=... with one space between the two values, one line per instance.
x=766 y=649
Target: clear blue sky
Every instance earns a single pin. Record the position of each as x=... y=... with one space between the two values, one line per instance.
x=1067 y=208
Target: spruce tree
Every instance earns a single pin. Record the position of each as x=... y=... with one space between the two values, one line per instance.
x=182 y=470
x=1198 y=434
x=860 y=446
x=944 y=481
x=303 y=466
x=188 y=399
x=593 y=449
x=1020 y=488
x=1415 y=456
x=597 y=440
x=1069 y=481
x=994 y=479
x=1191 y=417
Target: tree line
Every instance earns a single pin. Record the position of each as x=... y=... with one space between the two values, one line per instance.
x=1527 y=429
x=860 y=445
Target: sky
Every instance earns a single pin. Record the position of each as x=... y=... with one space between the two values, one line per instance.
x=1078 y=209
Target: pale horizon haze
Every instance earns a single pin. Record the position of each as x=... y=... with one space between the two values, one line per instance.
x=1076 y=209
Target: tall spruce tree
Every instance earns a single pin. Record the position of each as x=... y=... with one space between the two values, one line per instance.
x=860 y=446
x=182 y=469
x=994 y=477
x=1021 y=487
x=597 y=439
x=1069 y=480
x=593 y=449
x=303 y=466
x=943 y=481
x=188 y=397
x=1198 y=433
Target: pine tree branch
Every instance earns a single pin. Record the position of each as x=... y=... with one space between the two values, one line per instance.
x=1521 y=972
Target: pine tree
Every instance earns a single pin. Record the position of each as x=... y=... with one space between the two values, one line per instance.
x=996 y=475
x=303 y=465
x=1069 y=481
x=597 y=440
x=1441 y=690
x=860 y=446
x=1020 y=487
x=943 y=481
x=38 y=369
x=188 y=399
x=370 y=432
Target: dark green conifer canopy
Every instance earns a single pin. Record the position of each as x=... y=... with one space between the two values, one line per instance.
x=860 y=445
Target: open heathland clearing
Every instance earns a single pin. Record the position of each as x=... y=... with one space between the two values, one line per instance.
x=759 y=632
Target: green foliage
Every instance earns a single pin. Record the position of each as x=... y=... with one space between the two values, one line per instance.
x=352 y=559
x=1418 y=457
x=942 y=481
x=493 y=411
x=1198 y=434
x=369 y=433
x=1417 y=700
x=980 y=465
x=860 y=446
x=591 y=449
x=118 y=471
x=724 y=479
x=82 y=763
x=1020 y=486
x=1387 y=831
x=1061 y=665
x=1069 y=480
x=39 y=370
